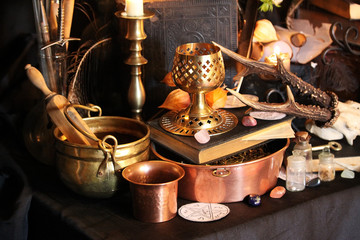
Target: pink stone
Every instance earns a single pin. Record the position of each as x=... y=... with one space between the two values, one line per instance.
x=248 y=121
x=277 y=192
x=202 y=136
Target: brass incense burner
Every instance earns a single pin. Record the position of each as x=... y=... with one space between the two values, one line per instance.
x=198 y=68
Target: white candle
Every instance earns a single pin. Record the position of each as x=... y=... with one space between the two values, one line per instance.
x=134 y=8
x=286 y=60
x=272 y=59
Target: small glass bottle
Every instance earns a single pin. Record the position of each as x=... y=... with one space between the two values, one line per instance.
x=326 y=171
x=295 y=173
x=302 y=139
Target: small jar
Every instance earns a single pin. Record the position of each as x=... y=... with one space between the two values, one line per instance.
x=303 y=145
x=295 y=173
x=326 y=171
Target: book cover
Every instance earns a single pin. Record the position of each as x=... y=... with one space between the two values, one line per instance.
x=344 y=8
x=223 y=145
x=177 y=22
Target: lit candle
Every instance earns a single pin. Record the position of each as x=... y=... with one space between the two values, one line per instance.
x=272 y=59
x=134 y=8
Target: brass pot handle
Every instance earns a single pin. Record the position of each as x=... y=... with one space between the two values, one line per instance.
x=109 y=151
x=90 y=108
x=107 y=148
x=221 y=172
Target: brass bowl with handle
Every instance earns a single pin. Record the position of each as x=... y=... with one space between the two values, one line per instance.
x=89 y=170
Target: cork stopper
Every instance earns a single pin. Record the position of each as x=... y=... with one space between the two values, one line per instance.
x=302 y=136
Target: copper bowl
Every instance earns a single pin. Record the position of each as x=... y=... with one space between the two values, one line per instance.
x=228 y=183
x=154 y=189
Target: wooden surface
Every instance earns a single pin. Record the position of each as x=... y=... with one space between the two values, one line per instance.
x=330 y=211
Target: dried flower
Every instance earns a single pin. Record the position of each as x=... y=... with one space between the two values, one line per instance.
x=179 y=99
x=216 y=98
x=267 y=5
x=168 y=80
x=176 y=100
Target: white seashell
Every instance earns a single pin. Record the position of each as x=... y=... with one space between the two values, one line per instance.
x=317 y=39
x=264 y=31
x=347 y=124
x=285 y=35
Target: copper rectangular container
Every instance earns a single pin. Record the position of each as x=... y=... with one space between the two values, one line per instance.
x=229 y=183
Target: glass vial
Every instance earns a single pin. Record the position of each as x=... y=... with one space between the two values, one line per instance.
x=303 y=145
x=295 y=173
x=326 y=171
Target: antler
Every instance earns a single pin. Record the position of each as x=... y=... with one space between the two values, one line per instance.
x=325 y=113
x=289 y=107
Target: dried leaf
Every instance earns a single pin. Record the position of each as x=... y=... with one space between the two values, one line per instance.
x=216 y=98
x=168 y=80
x=176 y=100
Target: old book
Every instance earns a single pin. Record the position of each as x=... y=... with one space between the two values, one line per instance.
x=223 y=145
x=349 y=9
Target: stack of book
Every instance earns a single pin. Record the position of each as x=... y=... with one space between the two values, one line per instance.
x=220 y=146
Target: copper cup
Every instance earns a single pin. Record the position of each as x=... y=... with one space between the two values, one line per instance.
x=154 y=189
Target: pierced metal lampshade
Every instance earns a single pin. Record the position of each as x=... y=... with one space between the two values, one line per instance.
x=198 y=68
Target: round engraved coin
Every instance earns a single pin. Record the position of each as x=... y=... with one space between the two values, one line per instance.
x=203 y=212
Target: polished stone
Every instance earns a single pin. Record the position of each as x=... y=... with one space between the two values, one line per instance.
x=278 y=192
x=348 y=174
x=254 y=200
x=248 y=121
x=313 y=182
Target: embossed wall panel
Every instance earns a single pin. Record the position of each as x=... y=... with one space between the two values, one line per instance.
x=184 y=21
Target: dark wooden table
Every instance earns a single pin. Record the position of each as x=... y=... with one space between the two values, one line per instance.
x=329 y=211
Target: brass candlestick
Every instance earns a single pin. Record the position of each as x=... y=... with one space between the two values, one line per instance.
x=136 y=34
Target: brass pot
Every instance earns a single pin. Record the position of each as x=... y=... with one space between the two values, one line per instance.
x=229 y=183
x=78 y=165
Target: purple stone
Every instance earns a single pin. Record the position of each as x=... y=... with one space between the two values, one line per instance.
x=254 y=200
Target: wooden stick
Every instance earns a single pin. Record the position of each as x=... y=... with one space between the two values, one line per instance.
x=54 y=9
x=68 y=17
x=55 y=107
